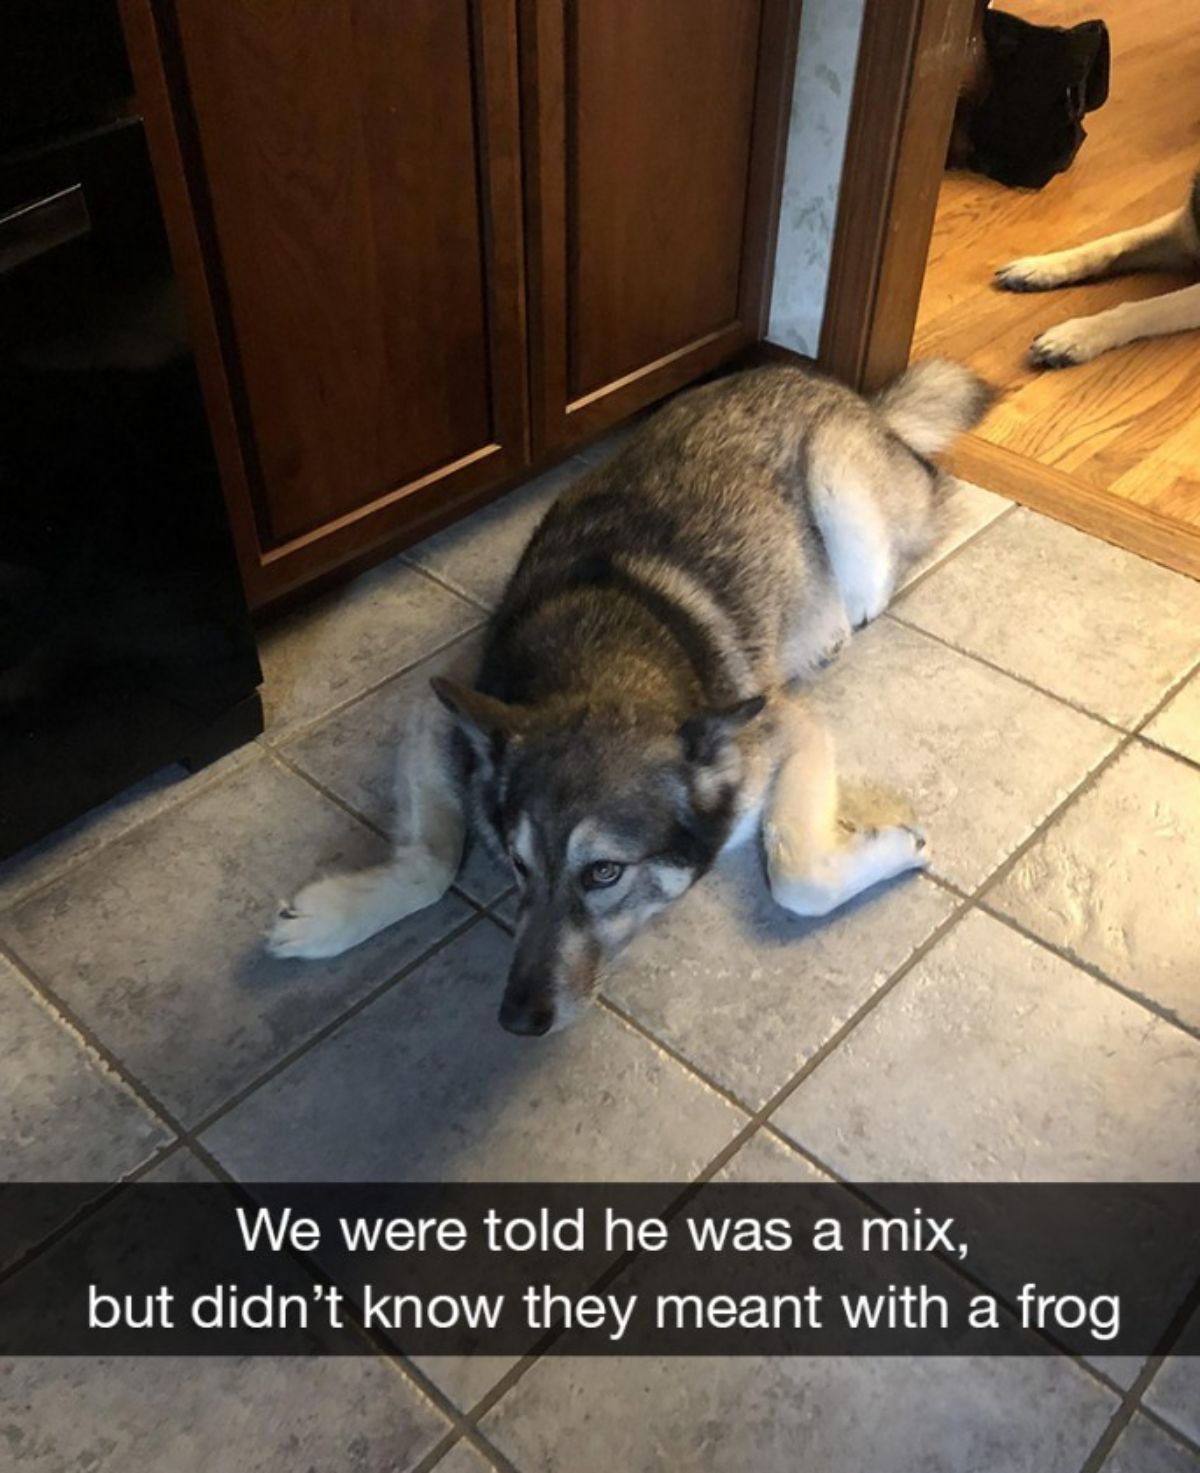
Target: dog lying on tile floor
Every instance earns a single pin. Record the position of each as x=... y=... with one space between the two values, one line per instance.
x=636 y=710
x=1170 y=243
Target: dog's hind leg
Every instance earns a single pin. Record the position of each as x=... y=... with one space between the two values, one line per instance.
x=1165 y=244
x=814 y=867
x=1084 y=338
x=857 y=538
x=333 y=914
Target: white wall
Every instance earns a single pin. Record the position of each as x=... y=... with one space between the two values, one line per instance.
x=828 y=51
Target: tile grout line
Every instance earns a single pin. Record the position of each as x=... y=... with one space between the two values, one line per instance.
x=67 y=1015
x=926 y=573
x=1164 y=1424
x=1131 y=1401
x=1090 y=969
x=1008 y=674
x=189 y=1135
x=332 y=1025
x=197 y=783
x=381 y=1347
x=1153 y=745
x=300 y=729
x=445 y=584
x=293 y=768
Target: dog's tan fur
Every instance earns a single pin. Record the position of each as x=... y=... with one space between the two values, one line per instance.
x=1170 y=243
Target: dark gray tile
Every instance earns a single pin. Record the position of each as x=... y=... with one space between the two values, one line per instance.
x=995 y=1060
x=424 y=1085
x=980 y=758
x=41 y=862
x=341 y=645
x=928 y=1415
x=157 y=941
x=64 y=1114
x=1145 y=1448
x=1114 y=881
x=1083 y=620
x=747 y=991
x=269 y=1415
x=1175 y=1392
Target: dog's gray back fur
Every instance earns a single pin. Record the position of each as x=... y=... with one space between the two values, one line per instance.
x=668 y=596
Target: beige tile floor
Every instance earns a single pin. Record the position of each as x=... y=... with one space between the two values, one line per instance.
x=1029 y=1010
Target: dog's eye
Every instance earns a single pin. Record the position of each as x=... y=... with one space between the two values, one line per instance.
x=603 y=873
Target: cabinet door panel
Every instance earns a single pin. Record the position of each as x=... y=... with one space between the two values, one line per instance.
x=360 y=160
x=652 y=139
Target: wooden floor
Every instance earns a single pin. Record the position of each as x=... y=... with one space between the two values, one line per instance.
x=1128 y=423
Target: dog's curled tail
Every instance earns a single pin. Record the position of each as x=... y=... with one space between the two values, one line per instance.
x=934 y=402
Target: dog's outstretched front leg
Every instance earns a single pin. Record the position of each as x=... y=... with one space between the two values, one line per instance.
x=1084 y=338
x=333 y=914
x=812 y=865
x=1165 y=244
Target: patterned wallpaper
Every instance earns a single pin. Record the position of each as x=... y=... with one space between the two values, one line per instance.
x=829 y=31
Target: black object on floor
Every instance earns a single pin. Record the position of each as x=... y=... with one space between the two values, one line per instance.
x=125 y=643
x=1041 y=81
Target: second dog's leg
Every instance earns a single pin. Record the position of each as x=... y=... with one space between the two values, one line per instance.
x=1083 y=338
x=814 y=867
x=1166 y=244
x=331 y=915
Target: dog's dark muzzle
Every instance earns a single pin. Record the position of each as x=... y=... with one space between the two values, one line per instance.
x=526 y=1011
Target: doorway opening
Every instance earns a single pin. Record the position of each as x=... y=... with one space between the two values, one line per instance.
x=1111 y=445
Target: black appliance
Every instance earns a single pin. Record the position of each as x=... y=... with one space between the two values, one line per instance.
x=125 y=642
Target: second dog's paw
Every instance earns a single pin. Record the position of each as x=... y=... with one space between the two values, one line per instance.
x=1029 y=274
x=316 y=924
x=1069 y=343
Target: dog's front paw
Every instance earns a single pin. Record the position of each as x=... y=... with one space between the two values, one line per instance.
x=1069 y=343
x=1029 y=274
x=319 y=923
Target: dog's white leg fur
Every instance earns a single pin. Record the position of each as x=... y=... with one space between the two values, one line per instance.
x=1084 y=338
x=1165 y=244
x=333 y=914
x=857 y=539
x=812 y=866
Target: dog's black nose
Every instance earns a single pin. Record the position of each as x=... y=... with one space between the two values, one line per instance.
x=523 y=1018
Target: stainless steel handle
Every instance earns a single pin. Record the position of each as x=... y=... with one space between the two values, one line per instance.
x=33 y=229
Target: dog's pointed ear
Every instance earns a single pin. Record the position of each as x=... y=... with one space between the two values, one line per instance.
x=706 y=734
x=483 y=718
x=1090 y=39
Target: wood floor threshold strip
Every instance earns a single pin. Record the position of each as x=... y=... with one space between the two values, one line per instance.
x=1175 y=545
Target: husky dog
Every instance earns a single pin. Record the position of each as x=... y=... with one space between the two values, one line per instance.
x=1170 y=243
x=636 y=710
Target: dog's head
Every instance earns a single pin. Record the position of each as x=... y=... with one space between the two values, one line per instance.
x=607 y=814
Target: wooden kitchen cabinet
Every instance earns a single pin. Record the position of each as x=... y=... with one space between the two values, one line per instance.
x=652 y=154
x=428 y=245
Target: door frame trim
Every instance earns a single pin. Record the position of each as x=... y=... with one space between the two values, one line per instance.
x=906 y=83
